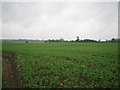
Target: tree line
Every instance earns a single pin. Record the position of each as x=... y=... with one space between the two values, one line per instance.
x=78 y=40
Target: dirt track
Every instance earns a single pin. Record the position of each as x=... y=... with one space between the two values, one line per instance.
x=10 y=73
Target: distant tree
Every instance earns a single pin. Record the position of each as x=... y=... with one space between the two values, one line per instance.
x=99 y=40
x=77 y=40
x=88 y=40
x=26 y=41
x=81 y=40
x=52 y=40
x=113 y=40
x=61 y=40
x=72 y=41
x=106 y=40
x=49 y=40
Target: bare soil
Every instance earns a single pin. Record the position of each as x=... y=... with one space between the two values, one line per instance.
x=10 y=74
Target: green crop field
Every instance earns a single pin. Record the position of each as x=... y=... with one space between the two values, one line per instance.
x=65 y=65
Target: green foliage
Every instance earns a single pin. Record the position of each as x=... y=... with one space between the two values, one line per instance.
x=66 y=65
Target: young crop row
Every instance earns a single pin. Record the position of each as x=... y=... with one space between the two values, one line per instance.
x=66 y=65
x=59 y=72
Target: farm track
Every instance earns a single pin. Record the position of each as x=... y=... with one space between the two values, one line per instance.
x=10 y=73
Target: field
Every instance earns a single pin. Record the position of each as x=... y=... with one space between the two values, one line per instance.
x=64 y=65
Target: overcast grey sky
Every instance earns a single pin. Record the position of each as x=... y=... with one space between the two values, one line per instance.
x=54 y=20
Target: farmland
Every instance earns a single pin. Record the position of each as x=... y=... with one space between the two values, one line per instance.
x=64 y=65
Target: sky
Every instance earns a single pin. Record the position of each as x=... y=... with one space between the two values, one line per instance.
x=55 y=20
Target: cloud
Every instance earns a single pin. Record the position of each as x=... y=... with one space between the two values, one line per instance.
x=60 y=19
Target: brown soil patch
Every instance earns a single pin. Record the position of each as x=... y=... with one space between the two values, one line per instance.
x=10 y=72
